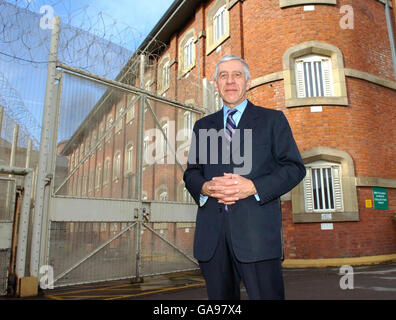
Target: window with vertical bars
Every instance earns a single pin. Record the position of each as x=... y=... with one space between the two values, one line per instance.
x=314 y=77
x=323 y=188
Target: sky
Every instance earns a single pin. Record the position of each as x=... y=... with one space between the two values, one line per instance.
x=124 y=16
x=124 y=22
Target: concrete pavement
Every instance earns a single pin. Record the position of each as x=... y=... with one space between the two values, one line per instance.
x=371 y=282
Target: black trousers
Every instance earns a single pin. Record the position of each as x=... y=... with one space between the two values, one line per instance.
x=223 y=274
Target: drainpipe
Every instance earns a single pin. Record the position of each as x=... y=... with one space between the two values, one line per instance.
x=391 y=37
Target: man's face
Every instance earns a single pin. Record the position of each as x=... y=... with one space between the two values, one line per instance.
x=231 y=83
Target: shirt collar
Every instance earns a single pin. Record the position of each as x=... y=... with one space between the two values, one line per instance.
x=240 y=107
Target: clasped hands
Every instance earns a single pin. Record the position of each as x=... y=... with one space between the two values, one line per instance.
x=229 y=188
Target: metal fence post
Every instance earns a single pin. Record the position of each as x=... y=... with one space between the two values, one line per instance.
x=45 y=143
x=139 y=167
x=139 y=216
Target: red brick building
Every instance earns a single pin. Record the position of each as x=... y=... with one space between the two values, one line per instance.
x=327 y=64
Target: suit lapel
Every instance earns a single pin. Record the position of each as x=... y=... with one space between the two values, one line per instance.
x=249 y=120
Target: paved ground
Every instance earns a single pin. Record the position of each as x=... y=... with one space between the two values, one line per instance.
x=374 y=282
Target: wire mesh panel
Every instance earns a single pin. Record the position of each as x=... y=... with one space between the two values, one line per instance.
x=166 y=247
x=7 y=202
x=83 y=252
x=97 y=141
x=167 y=138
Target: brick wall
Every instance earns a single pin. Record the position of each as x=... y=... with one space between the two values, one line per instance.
x=261 y=32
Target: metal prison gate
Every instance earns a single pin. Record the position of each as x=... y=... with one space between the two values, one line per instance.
x=111 y=200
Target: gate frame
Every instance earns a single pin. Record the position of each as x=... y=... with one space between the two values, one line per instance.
x=46 y=193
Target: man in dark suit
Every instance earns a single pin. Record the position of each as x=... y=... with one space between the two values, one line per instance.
x=242 y=159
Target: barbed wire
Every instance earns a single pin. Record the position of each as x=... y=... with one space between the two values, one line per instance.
x=89 y=40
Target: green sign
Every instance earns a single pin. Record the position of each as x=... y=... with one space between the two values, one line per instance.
x=380 y=198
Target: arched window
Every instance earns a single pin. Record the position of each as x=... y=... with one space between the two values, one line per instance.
x=106 y=171
x=188 y=53
x=328 y=191
x=117 y=165
x=98 y=176
x=314 y=75
x=219 y=23
x=129 y=155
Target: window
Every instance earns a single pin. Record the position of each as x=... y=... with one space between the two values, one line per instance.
x=106 y=172
x=82 y=151
x=165 y=75
x=109 y=123
x=146 y=143
x=129 y=158
x=164 y=142
x=288 y=3
x=84 y=185
x=188 y=54
x=76 y=158
x=98 y=176
x=148 y=84
x=219 y=23
x=91 y=179
x=93 y=138
x=313 y=77
x=101 y=130
x=329 y=190
x=161 y=193
x=163 y=196
x=322 y=187
x=188 y=124
x=117 y=165
x=119 y=124
x=130 y=114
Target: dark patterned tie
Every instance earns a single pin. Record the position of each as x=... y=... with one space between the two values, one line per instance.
x=229 y=131
x=230 y=125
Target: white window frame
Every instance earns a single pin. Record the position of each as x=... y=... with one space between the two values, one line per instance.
x=119 y=124
x=219 y=23
x=106 y=171
x=164 y=137
x=314 y=76
x=146 y=142
x=188 y=124
x=166 y=74
x=117 y=166
x=163 y=196
x=130 y=115
x=320 y=192
x=129 y=158
x=98 y=176
x=188 y=53
x=109 y=123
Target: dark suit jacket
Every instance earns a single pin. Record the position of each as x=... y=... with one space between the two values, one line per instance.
x=276 y=168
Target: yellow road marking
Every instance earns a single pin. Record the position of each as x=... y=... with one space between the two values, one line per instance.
x=157 y=291
x=72 y=294
x=89 y=290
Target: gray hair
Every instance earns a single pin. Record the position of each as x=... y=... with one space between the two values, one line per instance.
x=230 y=57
